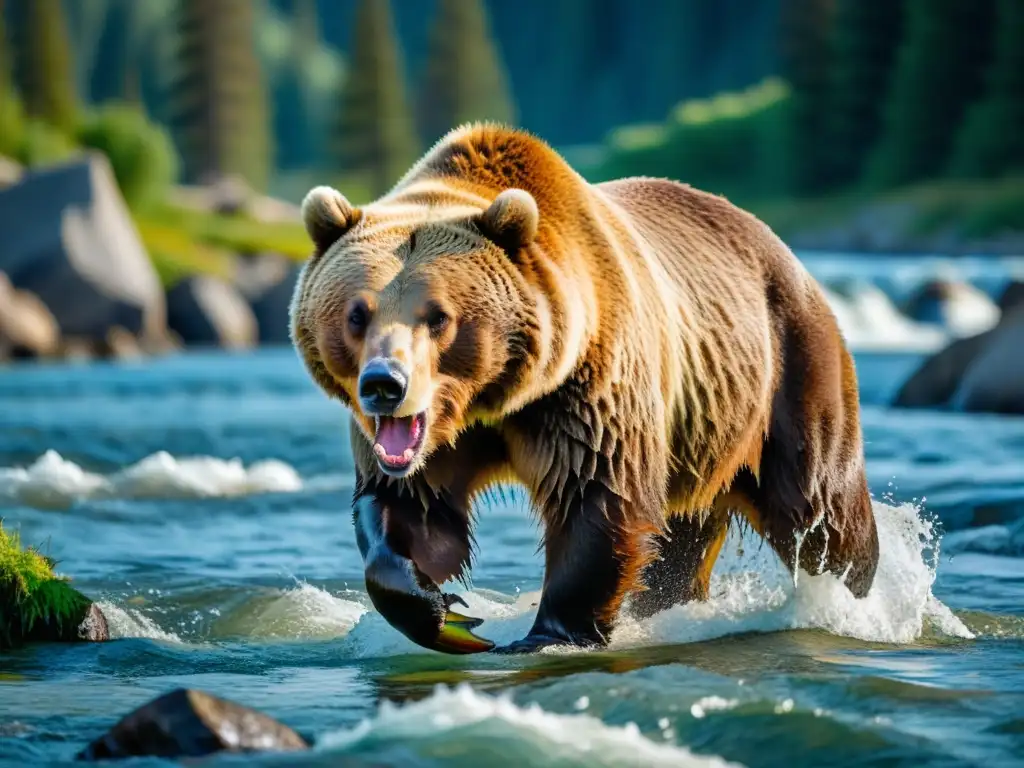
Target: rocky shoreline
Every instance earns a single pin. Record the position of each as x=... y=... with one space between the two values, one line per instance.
x=77 y=283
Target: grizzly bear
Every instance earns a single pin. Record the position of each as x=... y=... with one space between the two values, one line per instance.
x=647 y=359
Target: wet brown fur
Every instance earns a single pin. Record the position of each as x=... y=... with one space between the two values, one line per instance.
x=650 y=362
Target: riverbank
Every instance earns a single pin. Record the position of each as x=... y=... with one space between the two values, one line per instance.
x=951 y=218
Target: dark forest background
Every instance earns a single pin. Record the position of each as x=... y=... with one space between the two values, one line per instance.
x=766 y=101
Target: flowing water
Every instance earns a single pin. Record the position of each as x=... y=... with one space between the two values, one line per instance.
x=204 y=499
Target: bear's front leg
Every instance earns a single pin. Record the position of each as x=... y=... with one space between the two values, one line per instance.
x=406 y=551
x=593 y=557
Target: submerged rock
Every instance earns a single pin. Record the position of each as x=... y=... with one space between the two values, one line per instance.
x=69 y=239
x=191 y=723
x=206 y=311
x=981 y=374
x=994 y=380
x=936 y=381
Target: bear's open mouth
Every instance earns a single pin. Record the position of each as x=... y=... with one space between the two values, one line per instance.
x=398 y=440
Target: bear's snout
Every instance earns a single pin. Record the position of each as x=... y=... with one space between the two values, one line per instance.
x=383 y=385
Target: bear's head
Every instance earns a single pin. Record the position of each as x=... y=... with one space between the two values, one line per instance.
x=419 y=318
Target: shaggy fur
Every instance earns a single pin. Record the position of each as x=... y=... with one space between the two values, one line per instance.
x=646 y=359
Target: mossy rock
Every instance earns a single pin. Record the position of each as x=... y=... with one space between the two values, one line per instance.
x=37 y=605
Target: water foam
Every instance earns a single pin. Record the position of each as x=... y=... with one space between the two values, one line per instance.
x=869 y=321
x=750 y=592
x=126 y=622
x=53 y=482
x=897 y=610
x=306 y=611
x=529 y=733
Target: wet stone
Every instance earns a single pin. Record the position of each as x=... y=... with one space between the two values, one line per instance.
x=191 y=723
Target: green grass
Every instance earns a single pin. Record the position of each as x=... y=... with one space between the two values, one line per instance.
x=183 y=242
x=30 y=591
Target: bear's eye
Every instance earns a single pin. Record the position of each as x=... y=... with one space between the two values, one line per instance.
x=437 y=320
x=358 y=318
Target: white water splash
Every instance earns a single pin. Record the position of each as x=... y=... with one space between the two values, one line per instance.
x=126 y=622
x=869 y=321
x=896 y=610
x=53 y=482
x=534 y=735
x=306 y=611
x=753 y=593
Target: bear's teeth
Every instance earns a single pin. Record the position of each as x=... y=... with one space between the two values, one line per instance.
x=407 y=454
x=379 y=450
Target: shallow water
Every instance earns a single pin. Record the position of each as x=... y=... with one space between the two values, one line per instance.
x=205 y=500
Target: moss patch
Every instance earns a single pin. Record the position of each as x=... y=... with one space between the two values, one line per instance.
x=31 y=594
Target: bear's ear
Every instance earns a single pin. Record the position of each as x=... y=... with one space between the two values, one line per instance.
x=512 y=219
x=327 y=216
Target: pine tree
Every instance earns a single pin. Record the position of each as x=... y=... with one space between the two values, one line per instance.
x=219 y=102
x=43 y=65
x=939 y=73
x=376 y=138
x=867 y=37
x=297 y=142
x=115 y=75
x=464 y=78
x=991 y=142
x=804 y=50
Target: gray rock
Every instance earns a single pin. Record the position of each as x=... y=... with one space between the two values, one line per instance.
x=994 y=379
x=27 y=327
x=206 y=311
x=1012 y=295
x=935 y=382
x=10 y=172
x=982 y=373
x=68 y=238
x=89 y=625
x=267 y=281
x=188 y=723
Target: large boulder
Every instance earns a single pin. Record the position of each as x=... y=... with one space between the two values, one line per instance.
x=994 y=379
x=206 y=311
x=1012 y=295
x=982 y=373
x=936 y=381
x=27 y=327
x=189 y=724
x=69 y=239
x=267 y=281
